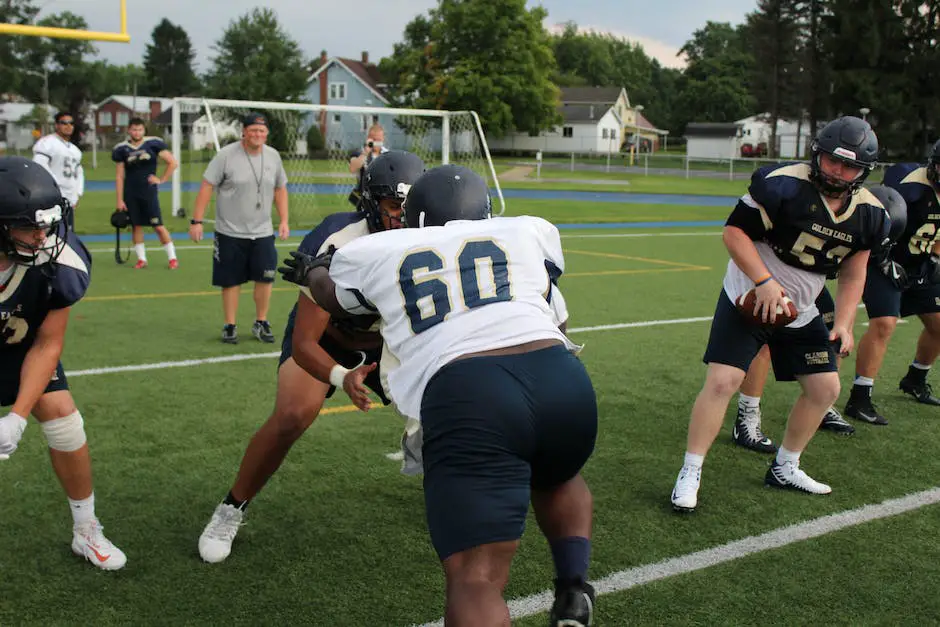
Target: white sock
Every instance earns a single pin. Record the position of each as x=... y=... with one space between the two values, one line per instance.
x=170 y=250
x=693 y=460
x=745 y=401
x=141 y=252
x=919 y=366
x=83 y=511
x=785 y=455
x=864 y=381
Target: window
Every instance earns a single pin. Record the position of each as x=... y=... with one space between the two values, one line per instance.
x=123 y=118
x=365 y=123
x=104 y=118
x=605 y=134
x=3 y=132
x=336 y=118
x=337 y=91
x=613 y=133
x=375 y=119
x=568 y=131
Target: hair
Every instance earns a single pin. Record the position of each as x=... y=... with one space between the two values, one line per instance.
x=136 y=122
x=63 y=114
x=376 y=128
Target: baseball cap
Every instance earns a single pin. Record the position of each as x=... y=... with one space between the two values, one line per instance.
x=254 y=118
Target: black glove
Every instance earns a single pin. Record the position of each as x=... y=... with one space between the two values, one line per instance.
x=895 y=273
x=300 y=264
x=932 y=269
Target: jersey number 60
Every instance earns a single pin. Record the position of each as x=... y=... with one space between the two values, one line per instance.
x=427 y=300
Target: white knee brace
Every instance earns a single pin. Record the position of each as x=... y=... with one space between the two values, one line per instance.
x=65 y=434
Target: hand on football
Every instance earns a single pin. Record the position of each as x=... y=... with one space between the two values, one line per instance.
x=355 y=388
x=11 y=430
x=769 y=297
x=299 y=264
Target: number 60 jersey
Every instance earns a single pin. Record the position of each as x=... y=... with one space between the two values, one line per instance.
x=451 y=290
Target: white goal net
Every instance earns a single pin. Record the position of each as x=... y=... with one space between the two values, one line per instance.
x=316 y=143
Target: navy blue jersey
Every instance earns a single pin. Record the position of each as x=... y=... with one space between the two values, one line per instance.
x=785 y=210
x=139 y=162
x=33 y=291
x=923 y=213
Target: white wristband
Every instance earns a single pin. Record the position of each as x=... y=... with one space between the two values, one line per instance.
x=338 y=375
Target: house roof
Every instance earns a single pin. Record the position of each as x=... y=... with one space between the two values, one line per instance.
x=143 y=102
x=583 y=113
x=590 y=95
x=186 y=117
x=711 y=129
x=366 y=73
x=14 y=111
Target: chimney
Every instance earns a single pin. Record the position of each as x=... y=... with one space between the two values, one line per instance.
x=155 y=109
x=323 y=58
x=365 y=57
x=324 y=83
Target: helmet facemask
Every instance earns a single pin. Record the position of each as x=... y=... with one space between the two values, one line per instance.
x=371 y=205
x=830 y=185
x=52 y=223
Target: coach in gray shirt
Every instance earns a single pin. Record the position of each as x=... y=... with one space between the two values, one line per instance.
x=249 y=176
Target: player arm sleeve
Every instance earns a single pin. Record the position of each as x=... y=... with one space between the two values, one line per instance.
x=72 y=275
x=348 y=266
x=281 y=176
x=40 y=155
x=758 y=208
x=215 y=171
x=81 y=180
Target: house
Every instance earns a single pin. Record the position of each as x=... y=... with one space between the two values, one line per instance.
x=594 y=120
x=16 y=133
x=114 y=112
x=793 y=138
x=196 y=131
x=350 y=82
x=712 y=140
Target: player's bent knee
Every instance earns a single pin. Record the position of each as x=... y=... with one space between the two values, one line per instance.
x=65 y=434
x=724 y=382
x=882 y=328
x=293 y=420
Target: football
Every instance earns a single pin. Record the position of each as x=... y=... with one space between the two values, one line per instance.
x=748 y=299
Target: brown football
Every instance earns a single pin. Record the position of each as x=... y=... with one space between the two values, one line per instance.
x=748 y=299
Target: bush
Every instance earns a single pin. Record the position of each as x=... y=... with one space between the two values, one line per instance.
x=315 y=141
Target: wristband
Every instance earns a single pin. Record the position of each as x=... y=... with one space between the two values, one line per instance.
x=195 y=221
x=337 y=375
x=763 y=280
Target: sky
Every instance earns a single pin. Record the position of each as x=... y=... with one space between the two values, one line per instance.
x=348 y=28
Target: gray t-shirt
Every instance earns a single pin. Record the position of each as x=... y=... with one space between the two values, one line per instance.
x=245 y=185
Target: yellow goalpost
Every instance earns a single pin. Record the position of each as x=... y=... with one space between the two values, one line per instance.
x=70 y=33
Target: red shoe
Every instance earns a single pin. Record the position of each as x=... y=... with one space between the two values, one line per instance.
x=140 y=265
x=174 y=264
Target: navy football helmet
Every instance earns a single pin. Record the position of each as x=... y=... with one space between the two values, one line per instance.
x=30 y=199
x=390 y=175
x=848 y=139
x=933 y=164
x=445 y=193
x=895 y=206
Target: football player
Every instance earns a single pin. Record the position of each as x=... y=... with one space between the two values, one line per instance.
x=908 y=285
x=508 y=413
x=138 y=194
x=747 y=426
x=63 y=159
x=796 y=224
x=316 y=349
x=44 y=270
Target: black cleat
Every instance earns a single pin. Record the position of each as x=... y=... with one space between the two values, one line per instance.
x=920 y=390
x=262 y=331
x=746 y=431
x=864 y=410
x=230 y=334
x=574 y=604
x=833 y=421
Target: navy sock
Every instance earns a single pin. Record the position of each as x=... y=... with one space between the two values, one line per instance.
x=571 y=556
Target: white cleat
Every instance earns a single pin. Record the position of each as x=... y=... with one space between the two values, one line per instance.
x=88 y=541
x=789 y=476
x=685 y=494
x=215 y=543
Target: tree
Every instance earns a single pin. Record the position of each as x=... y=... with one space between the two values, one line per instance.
x=13 y=12
x=492 y=57
x=772 y=33
x=168 y=62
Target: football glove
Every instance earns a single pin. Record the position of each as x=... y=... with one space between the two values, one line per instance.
x=932 y=269
x=895 y=273
x=299 y=264
x=11 y=430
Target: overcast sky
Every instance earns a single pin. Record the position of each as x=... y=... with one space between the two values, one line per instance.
x=348 y=28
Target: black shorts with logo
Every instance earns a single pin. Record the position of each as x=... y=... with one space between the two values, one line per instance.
x=10 y=378
x=237 y=260
x=883 y=299
x=143 y=207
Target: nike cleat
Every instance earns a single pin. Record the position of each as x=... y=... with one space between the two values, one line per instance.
x=88 y=541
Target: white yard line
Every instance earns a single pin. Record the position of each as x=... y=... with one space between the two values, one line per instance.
x=163 y=365
x=783 y=536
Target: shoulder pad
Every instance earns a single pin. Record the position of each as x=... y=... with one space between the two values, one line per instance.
x=771 y=184
x=314 y=240
x=72 y=274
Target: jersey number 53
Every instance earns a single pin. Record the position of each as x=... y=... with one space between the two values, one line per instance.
x=483 y=277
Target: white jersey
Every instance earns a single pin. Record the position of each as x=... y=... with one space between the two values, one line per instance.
x=64 y=160
x=452 y=290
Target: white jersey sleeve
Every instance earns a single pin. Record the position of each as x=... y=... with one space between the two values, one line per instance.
x=64 y=160
x=444 y=292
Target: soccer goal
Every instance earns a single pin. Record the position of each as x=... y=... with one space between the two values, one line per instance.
x=316 y=143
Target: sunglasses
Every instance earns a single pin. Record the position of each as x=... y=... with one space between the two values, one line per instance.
x=66 y=122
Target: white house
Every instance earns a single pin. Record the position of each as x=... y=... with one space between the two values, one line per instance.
x=756 y=130
x=16 y=135
x=713 y=140
x=201 y=134
x=586 y=128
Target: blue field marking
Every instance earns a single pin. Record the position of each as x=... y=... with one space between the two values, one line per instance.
x=529 y=194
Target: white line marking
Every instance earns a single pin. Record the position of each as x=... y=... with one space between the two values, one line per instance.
x=633 y=577
x=246 y=356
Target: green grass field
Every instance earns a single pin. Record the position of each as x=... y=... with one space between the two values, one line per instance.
x=338 y=536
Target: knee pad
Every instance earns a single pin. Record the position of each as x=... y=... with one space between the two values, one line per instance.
x=65 y=434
